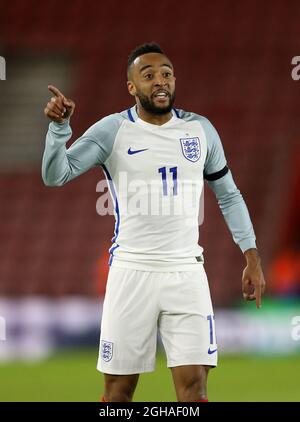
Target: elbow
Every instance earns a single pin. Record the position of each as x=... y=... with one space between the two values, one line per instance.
x=52 y=183
x=53 y=180
x=230 y=198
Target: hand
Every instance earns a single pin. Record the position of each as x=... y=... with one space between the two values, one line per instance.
x=253 y=281
x=59 y=109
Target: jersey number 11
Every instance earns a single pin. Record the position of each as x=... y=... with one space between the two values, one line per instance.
x=173 y=171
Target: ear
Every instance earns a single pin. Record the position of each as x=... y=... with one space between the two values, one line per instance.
x=131 y=88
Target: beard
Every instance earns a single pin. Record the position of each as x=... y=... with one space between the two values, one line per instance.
x=149 y=106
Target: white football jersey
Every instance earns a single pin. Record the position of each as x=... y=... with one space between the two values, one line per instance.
x=162 y=167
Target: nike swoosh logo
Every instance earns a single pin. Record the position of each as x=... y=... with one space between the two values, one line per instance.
x=210 y=352
x=131 y=152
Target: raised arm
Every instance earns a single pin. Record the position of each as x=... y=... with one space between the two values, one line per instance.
x=60 y=165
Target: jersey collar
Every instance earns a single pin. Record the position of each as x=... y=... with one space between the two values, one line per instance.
x=133 y=116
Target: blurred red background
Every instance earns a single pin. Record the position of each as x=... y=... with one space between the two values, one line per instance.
x=233 y=65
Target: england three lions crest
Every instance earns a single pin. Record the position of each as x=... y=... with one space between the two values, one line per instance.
x=191 y=148
x=106 y=350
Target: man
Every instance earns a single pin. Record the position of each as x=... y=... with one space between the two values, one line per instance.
x=156 y=278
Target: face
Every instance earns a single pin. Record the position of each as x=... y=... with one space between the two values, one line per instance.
x=151 y=80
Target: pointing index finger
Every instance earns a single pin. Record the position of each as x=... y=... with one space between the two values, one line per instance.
x=258 y=296
x=55 y=91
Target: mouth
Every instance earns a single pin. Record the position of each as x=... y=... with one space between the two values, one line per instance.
x=161 y=95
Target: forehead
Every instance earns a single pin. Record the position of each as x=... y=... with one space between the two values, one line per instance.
x=154 y=60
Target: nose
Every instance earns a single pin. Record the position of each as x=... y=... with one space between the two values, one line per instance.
x=160 y=80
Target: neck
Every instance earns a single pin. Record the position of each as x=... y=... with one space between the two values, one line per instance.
x=155 y=119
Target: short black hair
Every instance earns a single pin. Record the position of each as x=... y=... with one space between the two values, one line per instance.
x=143 y=49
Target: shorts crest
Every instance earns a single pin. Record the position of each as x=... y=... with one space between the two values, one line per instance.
x=106 y=350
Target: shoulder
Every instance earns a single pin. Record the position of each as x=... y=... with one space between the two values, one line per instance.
x=105 y=129
x=190 y=116
x=212 y=136
x=215 y=159
x=107 y=124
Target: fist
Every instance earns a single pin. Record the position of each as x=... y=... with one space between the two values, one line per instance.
x=59 y=108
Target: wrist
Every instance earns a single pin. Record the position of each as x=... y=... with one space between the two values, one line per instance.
x=252 y=256
x=63 y=123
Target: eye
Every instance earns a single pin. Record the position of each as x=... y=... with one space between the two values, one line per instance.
x=167 y=74
x=148 y=76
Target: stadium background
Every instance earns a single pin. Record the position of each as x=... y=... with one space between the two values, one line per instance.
x=233 y=65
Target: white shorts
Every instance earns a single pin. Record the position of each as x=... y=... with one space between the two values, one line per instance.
x=137 y=303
